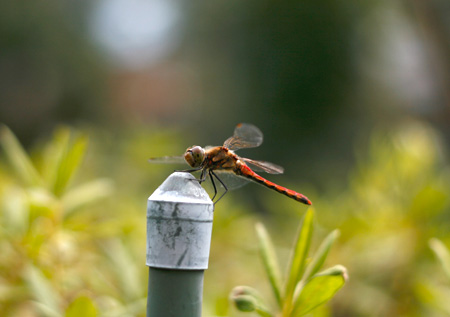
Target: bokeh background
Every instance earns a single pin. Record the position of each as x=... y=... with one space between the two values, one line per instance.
x=354 y=101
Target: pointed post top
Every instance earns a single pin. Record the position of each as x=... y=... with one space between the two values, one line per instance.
x=179 y=224
x=181 y=187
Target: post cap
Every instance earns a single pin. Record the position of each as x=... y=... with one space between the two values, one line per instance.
x=179 y=224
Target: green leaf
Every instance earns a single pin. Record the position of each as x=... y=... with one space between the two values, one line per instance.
x=269 y=258
x=63 y=158
x=82 y=306
x=442 y=253
x=45 y=310
x=320 y=289
x=86 y=194
x=42 y=290
x=126 y=268
x=18 y=158
x=434 y=296
x=298 y=258
x=320 y=256
x=16 y=212
x=247 y=299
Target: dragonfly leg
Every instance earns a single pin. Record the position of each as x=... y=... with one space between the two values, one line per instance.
x=223 y=184
x=212 y=182
x=202 y=175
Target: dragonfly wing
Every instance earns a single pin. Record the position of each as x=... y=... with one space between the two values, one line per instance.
x=231 y=180
x=263 y=166
x=167 y=160
x=245 y=136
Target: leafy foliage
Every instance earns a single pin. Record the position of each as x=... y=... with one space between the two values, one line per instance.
x=72 y=241
x=48 y=251
x=305 y=287
x=434 y=291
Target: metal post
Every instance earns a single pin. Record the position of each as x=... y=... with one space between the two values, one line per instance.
x=179 y=226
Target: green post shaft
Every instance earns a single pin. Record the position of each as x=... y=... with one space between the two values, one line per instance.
x=179 y=227
x=174 y=293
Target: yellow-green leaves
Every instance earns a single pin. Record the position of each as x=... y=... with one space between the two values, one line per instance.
x=433 y=290
x=46 y=299
x=62 y=159
x=298 y=258
x=320 y=256
x=442 y=253
x=85 y=194
x=319 y=289
x=45 y=251
x=49 y=303
x=305 y=288
x=18 y=158
x=270 y=261
x=82 y=306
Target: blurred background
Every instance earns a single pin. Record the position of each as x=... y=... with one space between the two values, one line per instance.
x=353 y=99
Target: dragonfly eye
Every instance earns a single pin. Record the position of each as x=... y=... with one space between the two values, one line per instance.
x=194 y=156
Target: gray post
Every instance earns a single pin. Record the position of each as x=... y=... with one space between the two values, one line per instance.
x=179 y=226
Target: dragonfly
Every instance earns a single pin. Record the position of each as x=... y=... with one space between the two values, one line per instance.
x=217 y=160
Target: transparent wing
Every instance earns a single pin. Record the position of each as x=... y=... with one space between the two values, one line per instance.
x=245 y=136
x=263 y=166
x=232 y=181
x=167 y=160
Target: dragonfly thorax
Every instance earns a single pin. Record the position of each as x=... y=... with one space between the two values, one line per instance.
x=195 y=155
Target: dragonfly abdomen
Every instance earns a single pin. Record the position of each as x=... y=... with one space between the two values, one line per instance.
x=248 y=173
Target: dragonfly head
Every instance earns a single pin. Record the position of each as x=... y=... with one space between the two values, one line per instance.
x=195 y=156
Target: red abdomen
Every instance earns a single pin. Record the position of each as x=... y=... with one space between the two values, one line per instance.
x=245 y=171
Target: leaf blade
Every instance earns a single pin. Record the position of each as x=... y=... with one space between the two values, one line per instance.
x=86 y=194
x=82 y=306
x=270 y=261
x=442 y=253
x=320 y=289
x=42 y=290
x=298 y=258
x=63 y=159
x=320 y=255
x=18 y=158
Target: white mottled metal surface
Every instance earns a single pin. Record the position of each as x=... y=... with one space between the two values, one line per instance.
x=179 y=224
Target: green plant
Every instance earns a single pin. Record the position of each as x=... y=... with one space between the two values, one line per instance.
x=304 y=288
x=45 y=251
x=435 y=291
